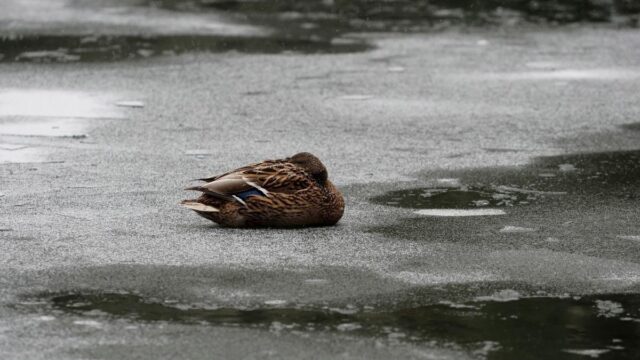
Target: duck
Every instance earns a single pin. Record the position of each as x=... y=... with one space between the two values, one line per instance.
x=289 y=192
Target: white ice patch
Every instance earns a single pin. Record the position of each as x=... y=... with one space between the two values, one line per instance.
x=22 y=155
x=516 y=229
x=567 y=167
x=395 y=69
x=460 y=212
x=504 y=188
x=487 y=347
x=316 y=281
x=348 y=327
x=130 y=103
x=47 y=113
x=57 y=127
x=55 y=104
x=607 y=308
x=453 y=305
x=275 y=302
x=277 y=326
x=448 y=182
x=114 y=17
x=480 y=203
x=564 y=74
x=592 y=353
x=57 y=55
x=89 y=323
x=629 y=237
x=501 y=296
x=347 y=310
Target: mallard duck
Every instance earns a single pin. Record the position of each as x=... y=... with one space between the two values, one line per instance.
x=289 y=192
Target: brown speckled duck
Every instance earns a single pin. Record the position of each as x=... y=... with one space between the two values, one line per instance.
x=289 y=192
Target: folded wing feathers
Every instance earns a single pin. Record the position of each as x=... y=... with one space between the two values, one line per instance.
x=225 y=187
x=215 y=194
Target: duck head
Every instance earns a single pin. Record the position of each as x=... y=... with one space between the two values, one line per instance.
x=312 y=165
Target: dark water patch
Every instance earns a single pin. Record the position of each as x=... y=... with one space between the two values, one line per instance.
x=456 y=198
x=615 y=173
x=577 y=203
x=59 y=48
x=607 y=173
x=415 y=14
x=522 y=328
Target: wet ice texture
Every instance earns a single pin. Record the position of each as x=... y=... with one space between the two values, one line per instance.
x=498 y=325
x=57 y=103
x=587 y=206
x=62 y=31
x=112 y=17
x=28 y=113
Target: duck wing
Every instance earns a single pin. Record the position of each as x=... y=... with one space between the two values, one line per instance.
x=257 y=179
x=265 y=163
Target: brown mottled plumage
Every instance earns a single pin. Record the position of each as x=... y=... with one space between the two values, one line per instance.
x=288 y=192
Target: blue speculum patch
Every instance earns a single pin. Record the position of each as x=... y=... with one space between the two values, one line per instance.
x=245 y=194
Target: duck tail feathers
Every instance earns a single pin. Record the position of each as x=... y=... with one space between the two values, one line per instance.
x=198 y=206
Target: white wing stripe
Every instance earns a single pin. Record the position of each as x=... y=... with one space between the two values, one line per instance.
x=258 y=187
x=239 y=200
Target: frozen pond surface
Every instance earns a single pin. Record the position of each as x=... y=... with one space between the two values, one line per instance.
x=108 y=108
